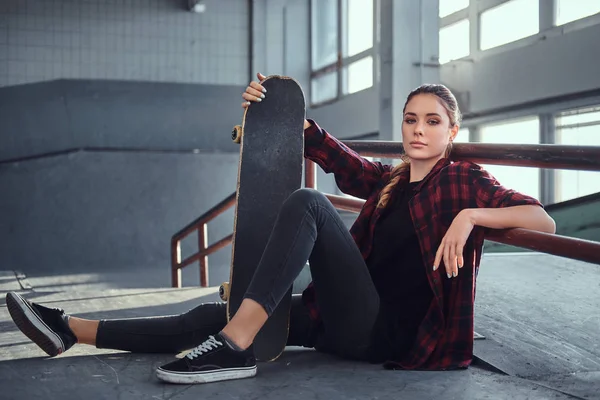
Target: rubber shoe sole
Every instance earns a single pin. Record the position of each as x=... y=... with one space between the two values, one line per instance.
x=188 y=378
x=32 y=326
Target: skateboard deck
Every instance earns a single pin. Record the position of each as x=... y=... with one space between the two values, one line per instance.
x=270 y=170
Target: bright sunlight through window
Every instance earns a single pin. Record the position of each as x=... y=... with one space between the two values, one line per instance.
x=509 y=22
x=571 y=10
x=360 y=26
x=462 y=136
x=454 y=41
x=359 y=75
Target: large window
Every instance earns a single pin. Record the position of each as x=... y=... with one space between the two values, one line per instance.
x=577 y=128
x=472 y=27
x=324 y=32
x=454 y=41
x=342 y=48
x=509 y=22
x=525 y=131
x=571 y=10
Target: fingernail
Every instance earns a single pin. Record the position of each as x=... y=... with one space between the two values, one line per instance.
x=449 y=276
x=264 y=90
x=258 y=99
x=434 y=267
x=248 y=102
x=262 y=96
x=455 y=274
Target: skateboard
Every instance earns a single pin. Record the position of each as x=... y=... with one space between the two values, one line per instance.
x=271 y=140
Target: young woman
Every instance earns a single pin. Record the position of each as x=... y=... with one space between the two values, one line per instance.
x=398 y=288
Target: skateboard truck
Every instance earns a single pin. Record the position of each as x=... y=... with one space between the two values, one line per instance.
x=236 y=134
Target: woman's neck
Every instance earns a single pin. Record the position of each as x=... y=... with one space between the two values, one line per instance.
x=420 y=168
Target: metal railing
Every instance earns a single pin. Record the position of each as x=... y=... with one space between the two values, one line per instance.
x=542 y=156
x=200 y=226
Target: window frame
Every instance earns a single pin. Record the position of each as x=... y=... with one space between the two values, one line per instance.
x=547 y=27
x=341 y=62
x=559 y=128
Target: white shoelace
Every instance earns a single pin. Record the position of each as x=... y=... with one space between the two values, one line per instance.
x=208 y=345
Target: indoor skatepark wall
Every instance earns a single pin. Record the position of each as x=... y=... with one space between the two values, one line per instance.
x=109 y=211
x=117 y=209
x=57 y=115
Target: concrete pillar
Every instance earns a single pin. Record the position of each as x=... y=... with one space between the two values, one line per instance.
x=408 y=54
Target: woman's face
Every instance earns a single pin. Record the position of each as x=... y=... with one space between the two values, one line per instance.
x=426 y=129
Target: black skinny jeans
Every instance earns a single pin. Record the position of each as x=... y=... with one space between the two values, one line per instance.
x=308 y=227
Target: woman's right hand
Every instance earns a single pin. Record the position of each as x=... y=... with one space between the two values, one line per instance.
x=255 y=92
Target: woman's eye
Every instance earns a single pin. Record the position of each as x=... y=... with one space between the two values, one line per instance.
x=409 y=121
x=433 y=122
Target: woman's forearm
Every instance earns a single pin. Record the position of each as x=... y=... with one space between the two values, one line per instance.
x=528 y=217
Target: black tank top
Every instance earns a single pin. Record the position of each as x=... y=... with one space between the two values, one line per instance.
x=398 y=272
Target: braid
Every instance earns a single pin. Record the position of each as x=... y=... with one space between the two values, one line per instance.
x=384 y=196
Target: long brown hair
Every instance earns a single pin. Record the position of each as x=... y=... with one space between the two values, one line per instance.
x=449 y=102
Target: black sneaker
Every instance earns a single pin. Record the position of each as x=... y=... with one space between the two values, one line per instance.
x=212 y=361
x=47 y=327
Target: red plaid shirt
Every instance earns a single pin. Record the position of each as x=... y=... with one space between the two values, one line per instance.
x=445 y=337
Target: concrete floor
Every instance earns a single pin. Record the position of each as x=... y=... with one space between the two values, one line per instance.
x=539 y=314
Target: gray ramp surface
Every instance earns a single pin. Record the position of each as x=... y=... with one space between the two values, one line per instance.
x=539 y=315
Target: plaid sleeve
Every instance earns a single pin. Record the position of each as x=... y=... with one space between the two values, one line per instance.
x=491 y=194
x=354 y=174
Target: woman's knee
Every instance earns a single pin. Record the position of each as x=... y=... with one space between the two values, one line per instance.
x=305 y=197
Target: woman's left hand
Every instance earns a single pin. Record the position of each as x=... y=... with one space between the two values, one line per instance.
x=451 y=248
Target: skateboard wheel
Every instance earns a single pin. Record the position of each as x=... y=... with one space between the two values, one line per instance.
x=224 y=291
x=236 y=134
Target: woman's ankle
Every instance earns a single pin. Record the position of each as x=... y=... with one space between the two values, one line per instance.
x=85 y=330
x=238 y=338
x=245 y=324
x=243 y=344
